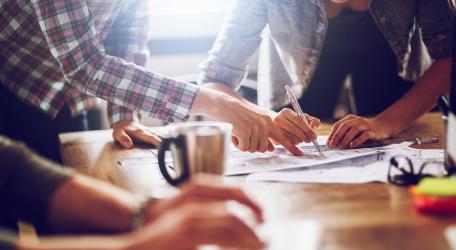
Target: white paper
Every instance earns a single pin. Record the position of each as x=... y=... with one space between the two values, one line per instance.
x=246 y=163
x=432 y=154
x=330 y=173
x=358 y=170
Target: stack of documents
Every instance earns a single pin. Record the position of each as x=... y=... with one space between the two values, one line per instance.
x=349 y=166
x=335 y=166
x=247 y=163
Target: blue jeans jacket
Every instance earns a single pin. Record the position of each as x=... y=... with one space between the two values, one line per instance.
x=297 y=29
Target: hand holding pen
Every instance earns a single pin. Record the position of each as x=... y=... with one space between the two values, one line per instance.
x=301 y=115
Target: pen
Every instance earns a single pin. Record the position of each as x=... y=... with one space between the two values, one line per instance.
x=298 y=110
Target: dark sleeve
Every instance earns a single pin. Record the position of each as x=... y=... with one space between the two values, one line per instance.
x=27 y=183
x=7 y=240
x=436 y=21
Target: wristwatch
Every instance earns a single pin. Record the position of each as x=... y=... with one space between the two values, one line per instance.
x=139 y=217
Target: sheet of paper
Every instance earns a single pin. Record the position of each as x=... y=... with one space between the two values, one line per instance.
x=358 y=170
x=247 y=163
x=146 y=157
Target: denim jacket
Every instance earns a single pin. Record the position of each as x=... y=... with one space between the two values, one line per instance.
x=298 y=28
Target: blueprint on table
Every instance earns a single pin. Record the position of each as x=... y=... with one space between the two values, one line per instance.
x=247 y=163
x=357 y=170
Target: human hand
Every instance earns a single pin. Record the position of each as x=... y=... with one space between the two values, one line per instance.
x=269 y=127
x=126 y=132
x=296 y=129
x=205 y=189
x=253 y=127
x=352 y=131
x=197 y=216
x=193 y=224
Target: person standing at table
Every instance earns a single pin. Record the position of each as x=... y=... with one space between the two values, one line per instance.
x=57 y=54
x=405 y=33
x=37 y=103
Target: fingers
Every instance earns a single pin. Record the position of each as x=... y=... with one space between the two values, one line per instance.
x=145 y=136
x=341 y=132
x=122 y=137
x=366 y=135
x=338 y=130
x=336 y=126
x=244 y=141
x=125 y=132
x=213 y=224
x=219 y=192
x=279 y=136
x=194 y=224
x=264 y=144
x=254 y=141
x=262 y=131
x=293 y=149
x=303 y=125
x=297 y=126
x=292 y=138
x=285 y=121
x=270 y=146
x=253 y=136
x=353 y=130
x=313 y=121
x=235 y=141
x=235 y=233
x=351 y=134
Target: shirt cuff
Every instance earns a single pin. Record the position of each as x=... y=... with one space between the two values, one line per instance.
x=214 y=71
x=178 y=104
x=118 y=113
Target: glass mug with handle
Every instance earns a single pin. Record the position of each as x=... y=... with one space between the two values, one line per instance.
x=196 y=147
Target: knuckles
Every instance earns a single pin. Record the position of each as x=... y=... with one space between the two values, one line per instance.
x=286 y=112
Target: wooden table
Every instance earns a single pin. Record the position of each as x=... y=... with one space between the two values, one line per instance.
x=358 y=216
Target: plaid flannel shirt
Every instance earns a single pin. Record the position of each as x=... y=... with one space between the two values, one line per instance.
x=58 y=52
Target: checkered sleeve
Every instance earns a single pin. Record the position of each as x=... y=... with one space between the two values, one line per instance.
x=128 y=39
x=72 y=39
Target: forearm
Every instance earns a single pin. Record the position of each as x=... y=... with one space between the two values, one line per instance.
x=27 y=181
x=86 y=205
x=420 y=99
x=231 y=92
x=75 y=243
x=10 y=241
x=225 y=89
